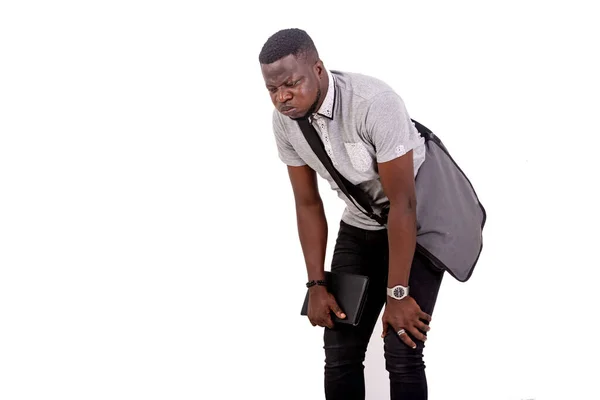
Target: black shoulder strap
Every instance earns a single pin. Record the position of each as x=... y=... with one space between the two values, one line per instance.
x=423 y=130
x=355 y=194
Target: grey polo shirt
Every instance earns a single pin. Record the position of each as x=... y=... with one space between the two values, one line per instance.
x=361 y=122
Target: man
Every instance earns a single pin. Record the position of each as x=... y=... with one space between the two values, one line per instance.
x=372 y=142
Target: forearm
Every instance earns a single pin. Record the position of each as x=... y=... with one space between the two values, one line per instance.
x=312 y=229
x=402 y=231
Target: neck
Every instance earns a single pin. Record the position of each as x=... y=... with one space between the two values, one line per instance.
x=323 y=91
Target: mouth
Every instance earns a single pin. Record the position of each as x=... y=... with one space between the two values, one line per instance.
x=286 y=110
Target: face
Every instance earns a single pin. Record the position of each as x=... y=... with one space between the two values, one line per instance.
x=294 y=85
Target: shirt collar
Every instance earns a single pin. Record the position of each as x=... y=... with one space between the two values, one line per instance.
x=326 y=108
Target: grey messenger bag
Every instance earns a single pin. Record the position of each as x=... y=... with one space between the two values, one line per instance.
x=450 y=217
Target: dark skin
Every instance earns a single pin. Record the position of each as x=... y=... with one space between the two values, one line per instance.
x=297 y=86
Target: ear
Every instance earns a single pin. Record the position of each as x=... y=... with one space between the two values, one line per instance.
x=319 y=69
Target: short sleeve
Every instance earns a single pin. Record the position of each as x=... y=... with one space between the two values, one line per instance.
x=390 y=128
x=286 y=151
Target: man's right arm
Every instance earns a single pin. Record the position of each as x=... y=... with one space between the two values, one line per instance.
x=312 y=229
x=310 y=216
x=312 y=226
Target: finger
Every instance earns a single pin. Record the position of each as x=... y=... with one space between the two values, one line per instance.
x=425 y=316
x=417 y=334
x=337 y=310
x=325 y=321
x=328 y=322
x=423 y=327
x=406 y=339
x=385 y=330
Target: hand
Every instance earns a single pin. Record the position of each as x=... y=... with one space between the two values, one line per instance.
x=320 y=305
x=405 y=314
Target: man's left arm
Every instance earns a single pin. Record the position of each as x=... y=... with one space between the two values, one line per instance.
x=391 y=132
x=398 y=184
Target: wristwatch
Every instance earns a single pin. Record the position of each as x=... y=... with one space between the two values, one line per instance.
x=398 y=292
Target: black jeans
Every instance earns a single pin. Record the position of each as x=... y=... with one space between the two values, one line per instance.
x=366 y=252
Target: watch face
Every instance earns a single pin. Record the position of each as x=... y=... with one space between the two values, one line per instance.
x=398 y=292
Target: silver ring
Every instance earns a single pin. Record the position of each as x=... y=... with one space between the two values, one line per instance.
x=401 y=332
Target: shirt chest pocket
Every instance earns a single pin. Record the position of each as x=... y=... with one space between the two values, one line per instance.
x=359 y=156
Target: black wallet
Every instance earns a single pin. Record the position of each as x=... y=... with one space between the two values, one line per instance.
x=350 y=292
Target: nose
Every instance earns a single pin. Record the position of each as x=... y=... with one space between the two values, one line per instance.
x=283 y=95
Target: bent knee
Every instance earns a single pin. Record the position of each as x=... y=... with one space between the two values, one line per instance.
x=402 y=360
x=340 y=357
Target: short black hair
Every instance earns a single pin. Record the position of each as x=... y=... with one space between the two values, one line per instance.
x=292 y=41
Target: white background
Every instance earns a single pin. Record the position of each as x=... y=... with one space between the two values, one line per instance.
x=148 y=247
